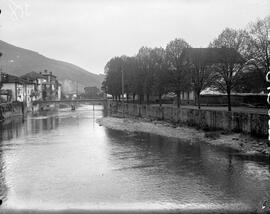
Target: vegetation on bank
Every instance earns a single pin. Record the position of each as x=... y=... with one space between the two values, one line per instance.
x=157 y=71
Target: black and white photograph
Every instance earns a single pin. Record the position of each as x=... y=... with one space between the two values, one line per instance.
x=134 y=106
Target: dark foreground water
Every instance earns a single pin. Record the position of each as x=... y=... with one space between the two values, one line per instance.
x=66 y=160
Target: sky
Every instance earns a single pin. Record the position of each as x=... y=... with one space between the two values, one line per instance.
x=88 y=33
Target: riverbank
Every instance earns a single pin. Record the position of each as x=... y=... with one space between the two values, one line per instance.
x=10 y=110
x=243 y=143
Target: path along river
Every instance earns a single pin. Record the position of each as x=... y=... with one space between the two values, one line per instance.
x=65 y=160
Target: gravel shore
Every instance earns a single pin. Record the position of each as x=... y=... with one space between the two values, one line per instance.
x=243 y=143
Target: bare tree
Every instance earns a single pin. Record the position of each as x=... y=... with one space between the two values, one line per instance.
x=259 y=47
x=113 y=77
x=146 y=68
x=228 y=68
x=178 y=72
x=198 y=62
x=161 y=75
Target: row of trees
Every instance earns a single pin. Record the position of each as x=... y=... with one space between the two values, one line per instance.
x=157 y=71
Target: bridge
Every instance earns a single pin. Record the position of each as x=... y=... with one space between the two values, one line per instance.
x=72 y=103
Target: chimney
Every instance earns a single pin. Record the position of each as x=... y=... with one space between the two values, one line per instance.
x=50 y=73
x=45 y=71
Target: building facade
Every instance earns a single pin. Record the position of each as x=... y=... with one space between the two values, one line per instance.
x=30 y=87
x=15 y=85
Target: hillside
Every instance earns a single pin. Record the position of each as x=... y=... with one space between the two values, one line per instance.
x=18 y=61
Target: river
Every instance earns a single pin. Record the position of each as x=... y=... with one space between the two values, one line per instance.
x=65 y=160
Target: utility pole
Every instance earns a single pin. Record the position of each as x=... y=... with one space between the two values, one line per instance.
x=77 y=89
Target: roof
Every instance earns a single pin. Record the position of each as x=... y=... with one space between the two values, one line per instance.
x=211 y=55
x=33 y=76
x=7 y=78
x=210 y=91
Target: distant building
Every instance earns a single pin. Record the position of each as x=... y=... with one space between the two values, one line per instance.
x=209 y=56
x=49 y=87
x=91 y=92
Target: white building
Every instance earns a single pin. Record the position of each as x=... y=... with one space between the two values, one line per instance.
x=38 y=81
x=30 y=87
x=30 y=95
x=15 y=85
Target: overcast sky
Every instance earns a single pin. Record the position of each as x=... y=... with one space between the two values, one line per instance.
x=90 y=32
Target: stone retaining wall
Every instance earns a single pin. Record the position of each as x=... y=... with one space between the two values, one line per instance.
x=248 y=123
x=8 y=110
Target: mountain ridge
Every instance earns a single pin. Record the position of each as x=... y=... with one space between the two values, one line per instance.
x=18 y=61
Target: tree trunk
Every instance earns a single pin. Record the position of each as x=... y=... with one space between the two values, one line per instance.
x=141 y=99
x=133 y=98
x=229 y=99
x=178 y=99
x=127 y=97
x=147 y=99
x=160 y=100
x=198 y=98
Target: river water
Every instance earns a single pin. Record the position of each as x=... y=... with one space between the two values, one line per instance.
x=65 y=160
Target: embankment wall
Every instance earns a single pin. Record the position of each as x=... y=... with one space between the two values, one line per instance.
x=8 y=110
x=248 y=123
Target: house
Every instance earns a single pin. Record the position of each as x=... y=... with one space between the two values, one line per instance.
x=209 y=56
x=36 y=80
x=47 y=87
x=5 y=95
x=91 y=92
x=51 y=88
x=15 y=85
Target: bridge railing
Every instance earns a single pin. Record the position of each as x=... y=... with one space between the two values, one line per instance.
x=69 y=101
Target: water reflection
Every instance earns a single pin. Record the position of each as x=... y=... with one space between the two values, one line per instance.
x=66 y=160
x=10 y=128
x=202 y=173
x=3 y=186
